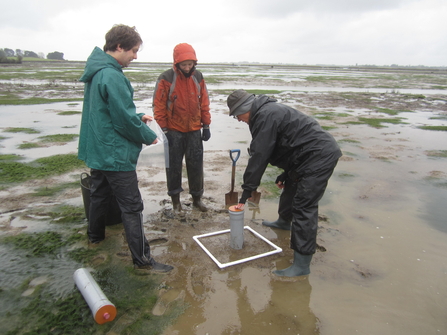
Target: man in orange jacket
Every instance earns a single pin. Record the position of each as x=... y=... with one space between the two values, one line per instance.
x=181 y=108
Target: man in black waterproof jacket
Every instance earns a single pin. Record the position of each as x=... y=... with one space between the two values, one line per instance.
x=293 y=141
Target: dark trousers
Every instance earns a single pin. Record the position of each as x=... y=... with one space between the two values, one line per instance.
x=124 y=185
x=299 y=204
x=188 y=145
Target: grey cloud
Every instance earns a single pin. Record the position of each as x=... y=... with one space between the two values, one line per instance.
x=21 y=14
x=284 y=8
x=32 y=14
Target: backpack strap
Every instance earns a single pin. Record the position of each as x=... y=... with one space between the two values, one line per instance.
x=196 y=79
x=171 y=76
x=171 y=90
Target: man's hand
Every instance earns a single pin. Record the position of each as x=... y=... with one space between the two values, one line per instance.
x=206 y=134
x=239 y=206
x=146 y=118
x=155 y=141
x=280 y=180
x=280 y=184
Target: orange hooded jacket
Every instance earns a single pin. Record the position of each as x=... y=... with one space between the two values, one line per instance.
x=181 y=103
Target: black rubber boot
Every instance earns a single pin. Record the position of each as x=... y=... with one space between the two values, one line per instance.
x=136 y=240
x=154 y=266
x=197 y=203
x=300 y=266
x=280 y=223
x=176 y=205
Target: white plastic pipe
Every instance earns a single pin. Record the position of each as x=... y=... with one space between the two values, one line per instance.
x=224 y=265
x=236 y=228
x=103 y=310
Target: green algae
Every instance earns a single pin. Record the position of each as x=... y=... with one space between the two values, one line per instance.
x=37 y=244
x=14 y=172
x=69 y=113
x=21 y=130
x=376 y=122
x=436 y=153
x=29 y=145
x=53 y=190
x=437 y=128
x=58 y=138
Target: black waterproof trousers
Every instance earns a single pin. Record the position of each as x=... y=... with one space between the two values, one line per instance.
x=124 y=185
x=190 y=146
x=299 y=203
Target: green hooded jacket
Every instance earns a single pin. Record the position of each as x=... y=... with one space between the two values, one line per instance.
x=112 y=133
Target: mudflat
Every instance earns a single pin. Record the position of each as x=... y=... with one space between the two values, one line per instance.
x=382 y=234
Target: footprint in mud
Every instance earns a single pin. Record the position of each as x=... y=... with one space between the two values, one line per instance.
x=33 y=284
x=195 y=282
x=124 y=321
x=364 y=273
x=99 y=259
x=158 y=241
x=165 y=298
x=123 y=254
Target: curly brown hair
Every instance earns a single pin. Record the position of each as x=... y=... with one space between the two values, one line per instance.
x=124 y=36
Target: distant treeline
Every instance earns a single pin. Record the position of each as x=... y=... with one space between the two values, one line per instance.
x=7 y=55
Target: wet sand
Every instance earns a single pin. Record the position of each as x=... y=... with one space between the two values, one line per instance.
x=383 y=269
x=381 y=266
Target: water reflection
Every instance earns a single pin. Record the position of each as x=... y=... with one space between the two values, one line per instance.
x=293 y=88
x=251 y=301
x=434 y=198
x=373 y=218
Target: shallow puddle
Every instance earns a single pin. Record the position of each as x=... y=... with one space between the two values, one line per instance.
x=381 y=266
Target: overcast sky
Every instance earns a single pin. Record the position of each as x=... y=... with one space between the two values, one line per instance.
x=340 y=32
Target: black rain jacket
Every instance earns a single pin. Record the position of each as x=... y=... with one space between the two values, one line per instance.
x=288 y=139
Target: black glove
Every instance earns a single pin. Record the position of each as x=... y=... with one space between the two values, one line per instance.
x=206 y=134
x=281 y=178
x=245 y=195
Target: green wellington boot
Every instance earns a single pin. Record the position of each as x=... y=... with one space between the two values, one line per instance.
x=300 y=266
x=280 y=223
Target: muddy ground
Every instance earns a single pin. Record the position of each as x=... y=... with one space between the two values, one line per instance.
x=374 y=206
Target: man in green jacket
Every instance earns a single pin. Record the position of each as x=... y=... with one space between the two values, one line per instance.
x=111 y=138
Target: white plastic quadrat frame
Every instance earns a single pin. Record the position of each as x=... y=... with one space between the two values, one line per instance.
x=224 y=265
